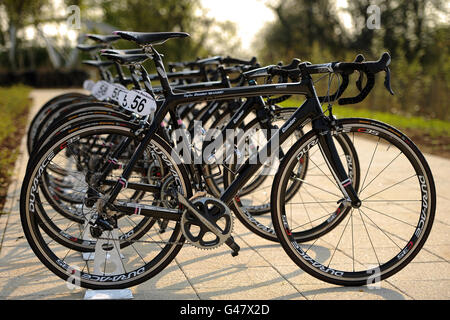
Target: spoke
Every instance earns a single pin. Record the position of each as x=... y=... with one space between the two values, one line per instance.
x=106 y=254
x=379 y=228
x=118 y=251
x=311 y=202
x=370 y=163
x=131 y=243
x=353 y=242
x=262 y=188
x=394 y=201
x=339 y=241
x=374 y=194
x=64 y=191
x=386 y=215
x=311 y=221
x=306 y=210
x=65 y=230
x=332 y=182
x=370 y=239
x=314 y=152
x=312 y=245
x=159 y=243
x=294 y=176
x=290 y=211
x=381 y=172
x=320 y=203
x=324 y=162
x=73 y=173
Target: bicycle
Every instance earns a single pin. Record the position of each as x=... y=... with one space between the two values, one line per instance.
x=266 y=118
x=211 y=215
x=89 y=111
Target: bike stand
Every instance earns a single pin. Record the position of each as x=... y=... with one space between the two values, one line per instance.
x=86 y=234
x=107 y=256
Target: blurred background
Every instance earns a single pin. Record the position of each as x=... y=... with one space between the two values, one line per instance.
x=38 y=38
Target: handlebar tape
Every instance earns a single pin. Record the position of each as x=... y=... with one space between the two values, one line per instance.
x=363 y=94
x=367 y=67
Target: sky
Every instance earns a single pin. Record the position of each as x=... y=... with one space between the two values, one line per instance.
x=249 y=15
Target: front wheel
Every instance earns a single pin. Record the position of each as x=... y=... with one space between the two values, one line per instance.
x=379 y=238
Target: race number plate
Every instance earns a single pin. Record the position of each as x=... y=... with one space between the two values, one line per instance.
x=137 y=101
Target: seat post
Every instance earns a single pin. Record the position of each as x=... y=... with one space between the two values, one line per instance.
x=156 y=57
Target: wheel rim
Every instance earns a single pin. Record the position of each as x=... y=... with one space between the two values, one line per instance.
x=370 y=243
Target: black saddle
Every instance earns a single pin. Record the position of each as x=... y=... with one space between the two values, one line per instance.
x=103 y=38
x=88 y=47
x=124 y=51
x=125 y=58
x=98 y=63
x=144 y=38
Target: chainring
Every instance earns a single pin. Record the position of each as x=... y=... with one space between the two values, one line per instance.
x=218 y=213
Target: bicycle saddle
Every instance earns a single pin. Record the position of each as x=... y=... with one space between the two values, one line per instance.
x=123 y=51
x=144 y=38
x=98 y=63
x=103 y=38
x=125 y=58
x=87 y=47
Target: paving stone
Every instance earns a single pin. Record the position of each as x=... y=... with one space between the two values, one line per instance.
x=262 y=271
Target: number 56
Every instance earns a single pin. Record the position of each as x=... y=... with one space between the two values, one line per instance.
x=138 y=104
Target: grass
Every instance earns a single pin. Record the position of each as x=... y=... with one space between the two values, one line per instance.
x=431 y=135
x=14 y=107
x=433 y=127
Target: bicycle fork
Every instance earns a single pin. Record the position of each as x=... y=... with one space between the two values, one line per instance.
x=328 y=149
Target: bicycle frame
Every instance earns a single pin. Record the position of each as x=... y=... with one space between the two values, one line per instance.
x=310 y=110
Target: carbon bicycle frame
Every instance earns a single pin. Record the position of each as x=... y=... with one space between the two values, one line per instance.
x=310 y=110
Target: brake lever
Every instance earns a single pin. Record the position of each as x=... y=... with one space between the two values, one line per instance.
x=359 y=81
x=387 y=80
x=359 y=58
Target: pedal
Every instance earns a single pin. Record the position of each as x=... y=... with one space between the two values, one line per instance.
x=233 y=245
x=163 y=225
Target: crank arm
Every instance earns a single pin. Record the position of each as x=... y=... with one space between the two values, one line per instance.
x=185 y=202
x=229 y=241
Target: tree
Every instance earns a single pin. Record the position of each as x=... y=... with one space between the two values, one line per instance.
x=19 y=13
x=405 y=25
x=415 y=32
x=299 y=24
x=162 y=15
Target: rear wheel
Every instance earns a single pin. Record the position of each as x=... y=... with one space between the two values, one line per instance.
x=142 y=258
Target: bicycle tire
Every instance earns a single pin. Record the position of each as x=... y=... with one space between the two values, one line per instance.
x=413 y=200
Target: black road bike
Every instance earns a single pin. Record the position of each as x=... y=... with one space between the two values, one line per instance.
x=358 y=234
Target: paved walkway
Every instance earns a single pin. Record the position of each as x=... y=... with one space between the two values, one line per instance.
x=262 y=270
